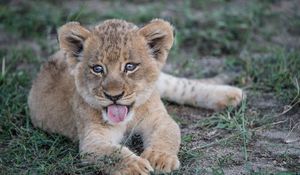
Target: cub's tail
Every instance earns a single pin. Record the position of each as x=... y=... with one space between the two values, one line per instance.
x=206 y=93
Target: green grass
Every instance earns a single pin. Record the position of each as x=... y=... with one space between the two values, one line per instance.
x=276 y=72
x=39 y=18
x=243 y=34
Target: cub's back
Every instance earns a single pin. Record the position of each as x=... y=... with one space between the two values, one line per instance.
x=50 y=98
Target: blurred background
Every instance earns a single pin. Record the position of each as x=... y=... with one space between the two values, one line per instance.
x=256 y=42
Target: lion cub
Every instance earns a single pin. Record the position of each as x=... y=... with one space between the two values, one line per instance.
x=106 y=81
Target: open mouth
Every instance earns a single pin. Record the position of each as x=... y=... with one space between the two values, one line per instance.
x=117 y=112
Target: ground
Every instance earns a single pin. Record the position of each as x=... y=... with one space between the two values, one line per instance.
x=257 y=43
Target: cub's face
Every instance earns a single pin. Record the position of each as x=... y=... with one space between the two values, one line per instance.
x=115 y=64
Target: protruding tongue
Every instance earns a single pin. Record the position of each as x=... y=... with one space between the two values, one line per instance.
x=117 y=113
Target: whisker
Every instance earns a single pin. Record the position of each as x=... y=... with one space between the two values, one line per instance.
x=130 y=95
x=100 y=98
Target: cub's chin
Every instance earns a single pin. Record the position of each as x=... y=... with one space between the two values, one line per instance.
x=115 y=114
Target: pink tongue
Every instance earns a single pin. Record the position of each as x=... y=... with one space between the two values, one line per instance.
x=117 y=113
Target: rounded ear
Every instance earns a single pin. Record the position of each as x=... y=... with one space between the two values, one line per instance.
x=71 y=37
x=159 y=36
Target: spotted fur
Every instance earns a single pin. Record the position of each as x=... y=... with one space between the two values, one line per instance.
x=210 y=93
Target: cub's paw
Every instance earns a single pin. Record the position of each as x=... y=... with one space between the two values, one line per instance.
x=134 y=165
x=161 y=161
x=227 y=96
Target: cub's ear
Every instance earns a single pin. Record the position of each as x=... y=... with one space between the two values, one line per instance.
x=159 y=36
x=71 y=37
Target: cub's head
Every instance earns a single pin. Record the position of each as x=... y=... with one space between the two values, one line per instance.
x=116 y=64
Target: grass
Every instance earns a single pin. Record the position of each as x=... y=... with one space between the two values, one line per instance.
x=284 y=72
x=242 y=34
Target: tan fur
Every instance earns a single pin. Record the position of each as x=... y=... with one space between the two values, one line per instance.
x=68 y=98
x=208 y=93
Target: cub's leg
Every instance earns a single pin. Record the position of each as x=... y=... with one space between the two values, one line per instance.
x=205 y=94
x=98 y=140
x=161 y=138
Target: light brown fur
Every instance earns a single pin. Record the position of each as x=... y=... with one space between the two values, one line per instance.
x=67 y=97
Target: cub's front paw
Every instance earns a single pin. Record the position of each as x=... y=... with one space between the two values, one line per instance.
x=134 y=165
x=161 y=161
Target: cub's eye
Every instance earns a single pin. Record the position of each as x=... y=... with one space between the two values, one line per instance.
x=130 y=66
x=97 y=69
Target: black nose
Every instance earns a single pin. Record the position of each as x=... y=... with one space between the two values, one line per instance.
x=115 y=97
